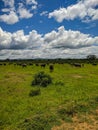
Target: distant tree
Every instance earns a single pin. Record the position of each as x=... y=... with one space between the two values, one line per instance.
x=91 y=58
x=7 y=59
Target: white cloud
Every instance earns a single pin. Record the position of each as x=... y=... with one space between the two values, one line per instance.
x=82 y=10
x=34 y=40
x=18 y=40
x=69 y=39
x=12 y=14
x=31 y=2
x=44 y=13
x=6 y=10
x=56 y=44
x=34 y=7
x=9 y=6
x=24 y=13
x=5 y=39
x=10 y=18
x=9 y=3
x=9 y=15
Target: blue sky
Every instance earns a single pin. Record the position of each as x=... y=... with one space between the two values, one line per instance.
x=48 y=29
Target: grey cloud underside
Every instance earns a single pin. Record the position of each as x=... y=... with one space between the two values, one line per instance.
x=56 y=44
x=53 y=53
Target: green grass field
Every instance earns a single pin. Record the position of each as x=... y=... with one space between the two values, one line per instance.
x=74 y=92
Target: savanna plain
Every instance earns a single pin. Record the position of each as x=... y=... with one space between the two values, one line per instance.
x=69 y=102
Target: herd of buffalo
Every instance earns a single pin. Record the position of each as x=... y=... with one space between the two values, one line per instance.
x=43 y=65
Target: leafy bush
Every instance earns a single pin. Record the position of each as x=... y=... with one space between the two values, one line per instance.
x=42 y=79
x=34 y=92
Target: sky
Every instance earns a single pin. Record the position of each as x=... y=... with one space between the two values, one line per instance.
x=51 y=29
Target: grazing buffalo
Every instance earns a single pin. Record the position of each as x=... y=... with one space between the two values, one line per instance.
x=77 y=65
x=51 y=67
x=24 y=65
x=4 y=64
x=37 y=64
x=30 y=64
x=43 y=65
x=94 y=64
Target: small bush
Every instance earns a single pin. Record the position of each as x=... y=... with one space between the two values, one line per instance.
x=34 y=92
x=42 y=79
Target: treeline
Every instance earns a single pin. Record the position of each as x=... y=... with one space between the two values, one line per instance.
x=53 y=61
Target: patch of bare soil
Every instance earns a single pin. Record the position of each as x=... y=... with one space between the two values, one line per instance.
x=14 y=77
x=83 y=122
x=77 y=76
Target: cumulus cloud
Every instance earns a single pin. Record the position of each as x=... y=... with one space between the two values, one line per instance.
x=5 y=39
x=12 y=14
x=24 y=13
x=18 y=40
x=85 y=10
x=10 y=18
x=69 y=39
x=61 y=38
x=60 y=43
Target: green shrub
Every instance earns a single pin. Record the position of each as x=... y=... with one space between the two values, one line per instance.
x=34 y=92
x=42 y=79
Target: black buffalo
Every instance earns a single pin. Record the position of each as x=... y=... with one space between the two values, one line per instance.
x=51 y=67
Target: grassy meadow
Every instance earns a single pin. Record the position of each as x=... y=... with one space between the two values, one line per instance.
x=70 y=101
